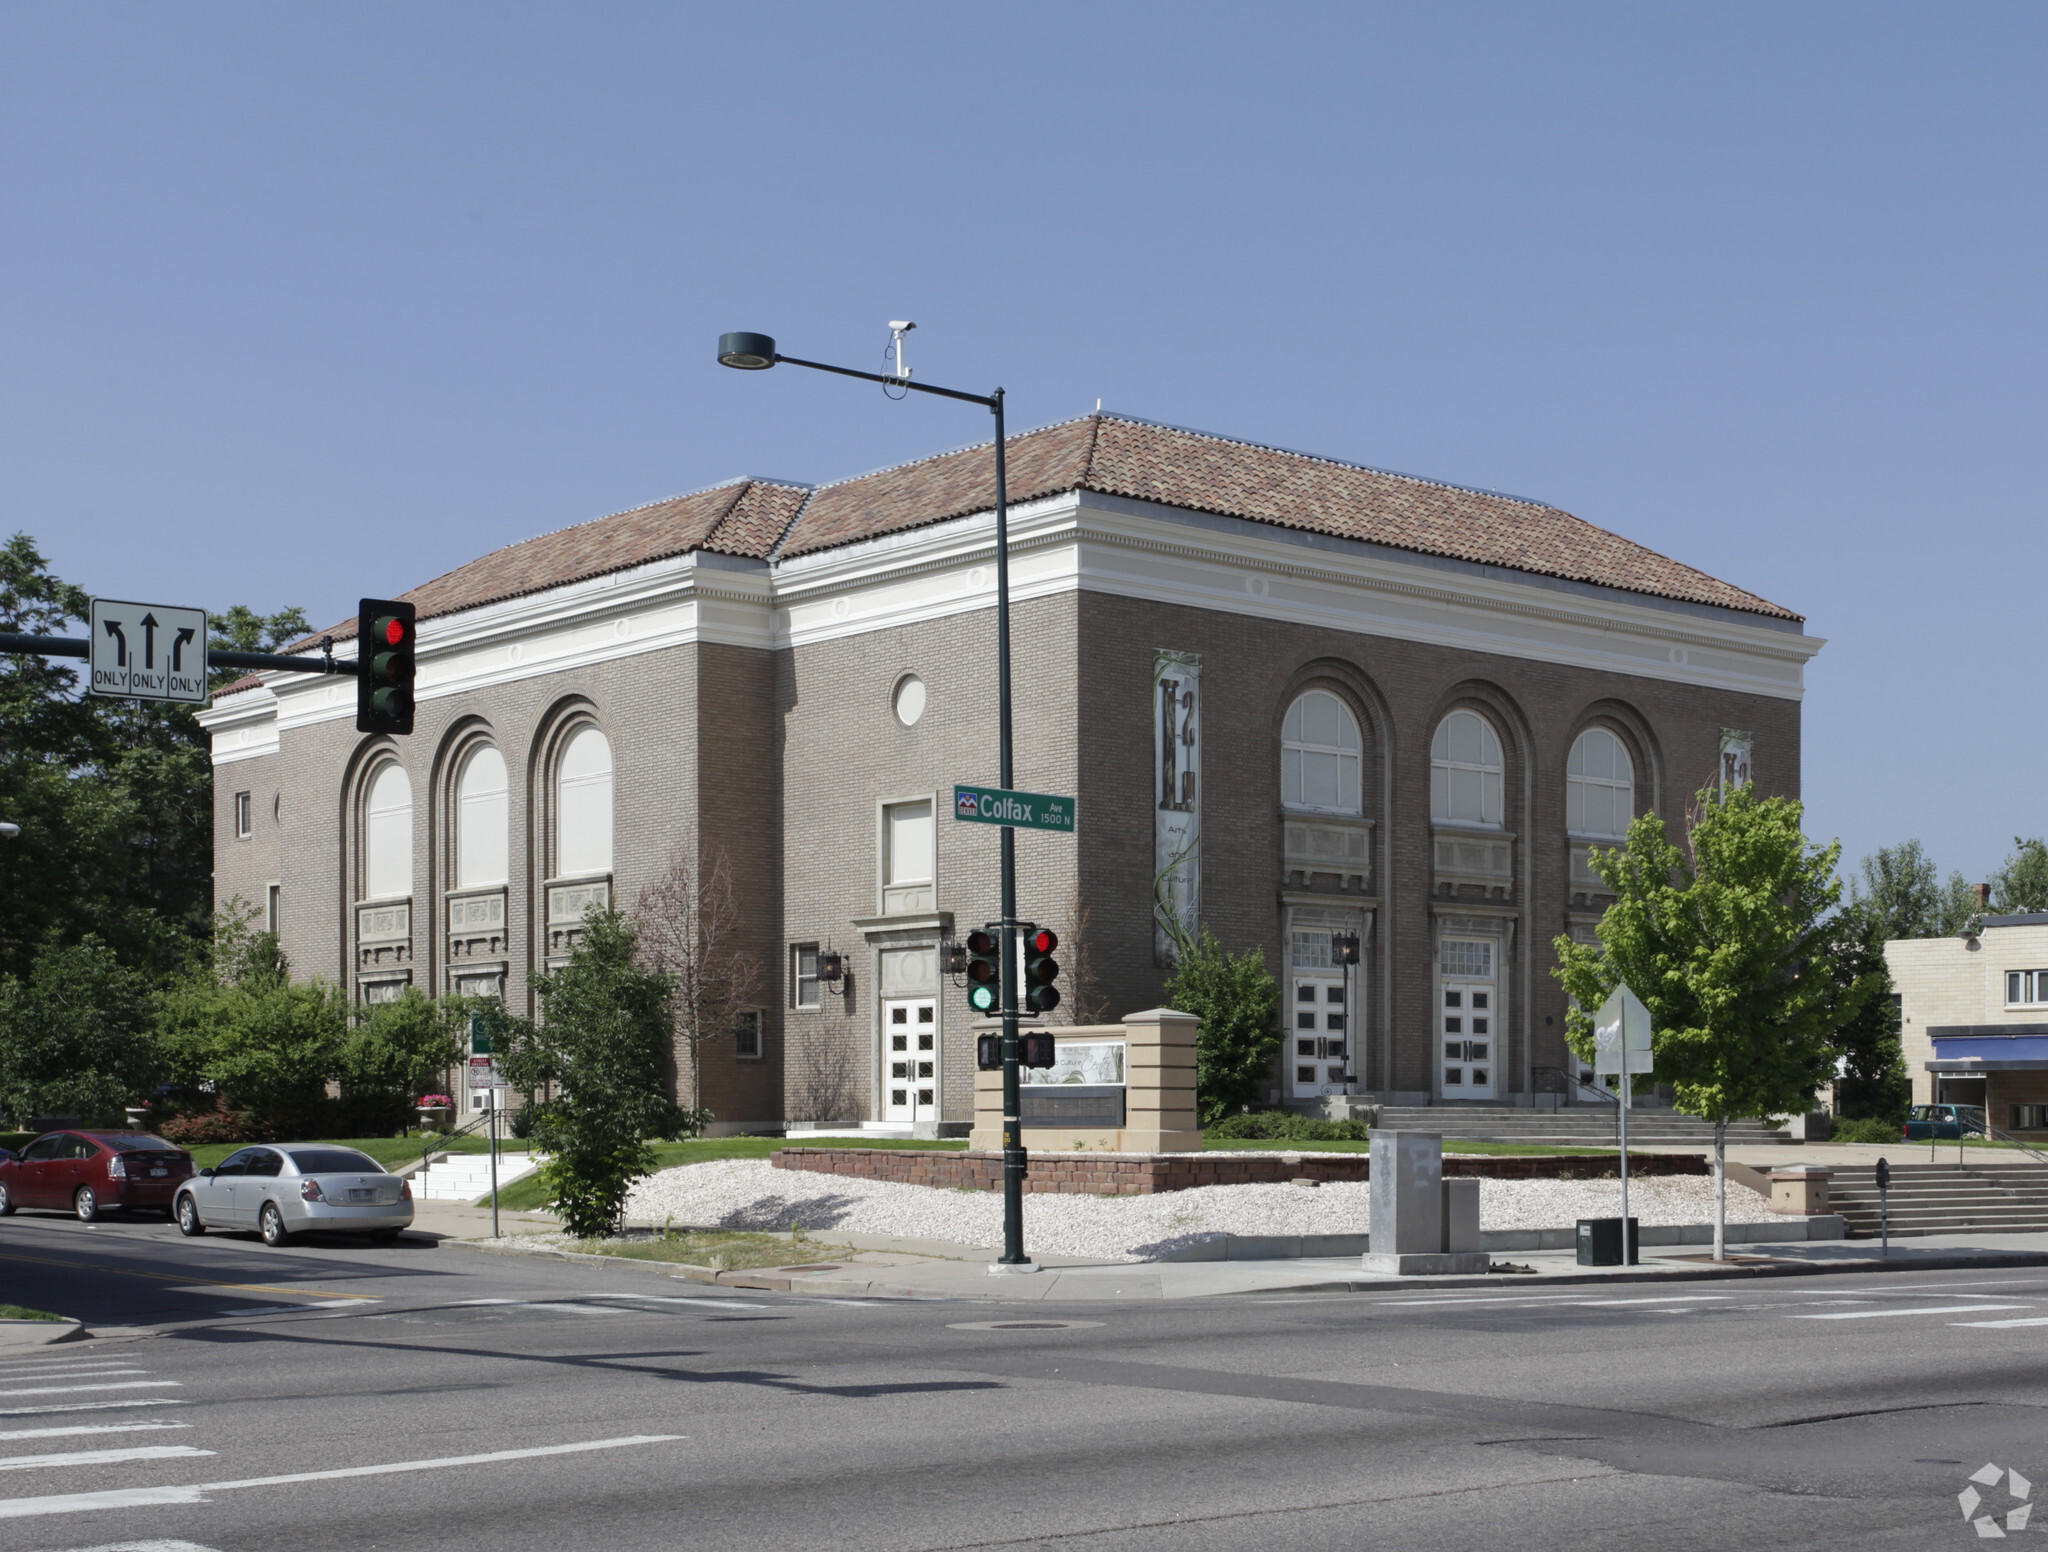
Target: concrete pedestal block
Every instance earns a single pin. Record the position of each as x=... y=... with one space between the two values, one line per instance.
x=1432 y=1264
x=1407 y=1193
x=1801 y=1189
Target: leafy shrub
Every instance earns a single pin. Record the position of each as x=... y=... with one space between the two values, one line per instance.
x=1282 y=1126
x=222 y=1125
x=1864 y=1131
x=1238 y=1002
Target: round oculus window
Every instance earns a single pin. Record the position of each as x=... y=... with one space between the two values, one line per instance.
x=909 y=699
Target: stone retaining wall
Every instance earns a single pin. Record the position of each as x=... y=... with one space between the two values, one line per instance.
x=1144 y=1174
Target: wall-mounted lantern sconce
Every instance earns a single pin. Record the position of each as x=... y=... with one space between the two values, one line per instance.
x=832 y=967
x=952 y=958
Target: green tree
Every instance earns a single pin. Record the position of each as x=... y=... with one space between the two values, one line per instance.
x=399 y=1050
x=2021 y=883
x=594 y=1073
x=114 y=797
x=1720 y=939
x=75 y=1035
x=236 y=1024
x=1899 y=895
x=1238 y=1002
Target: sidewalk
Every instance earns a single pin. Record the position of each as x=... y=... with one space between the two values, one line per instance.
x=875 y=1265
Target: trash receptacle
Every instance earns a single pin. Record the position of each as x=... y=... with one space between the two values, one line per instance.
x=1600 y=1242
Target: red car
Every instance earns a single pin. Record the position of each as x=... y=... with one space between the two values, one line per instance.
x=90 y=1173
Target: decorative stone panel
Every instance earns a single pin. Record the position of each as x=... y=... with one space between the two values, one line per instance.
x=1339 y=847
x=476 y=926
x=1482 y=857
x=384 y=936
x=1585 y=885
x=566 y=904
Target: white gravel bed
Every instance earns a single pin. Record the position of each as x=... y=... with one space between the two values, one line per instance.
x=752 y=1194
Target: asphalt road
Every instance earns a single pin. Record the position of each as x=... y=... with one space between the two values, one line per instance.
x=340 y=1397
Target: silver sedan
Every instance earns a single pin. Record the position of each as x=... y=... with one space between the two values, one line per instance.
x=289 y=1188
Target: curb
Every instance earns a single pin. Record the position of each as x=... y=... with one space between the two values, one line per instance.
x=26 y=1335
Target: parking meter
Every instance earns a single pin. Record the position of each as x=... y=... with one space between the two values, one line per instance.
x=1884 y=1211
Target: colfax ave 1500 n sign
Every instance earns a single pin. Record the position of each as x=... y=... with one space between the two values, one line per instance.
x=1022 y=810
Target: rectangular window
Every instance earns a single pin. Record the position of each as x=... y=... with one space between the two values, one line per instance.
x=1466 y=957
x=245 y=817
x=1311 y=950
x=273 y=899
x=2026 y=988
x=803 y=977
x=908 y=858
x=747 y=1042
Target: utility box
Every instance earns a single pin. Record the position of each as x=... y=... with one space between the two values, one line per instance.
x=1600 y=1242
x=1461 y=1217
x=1410 y=1207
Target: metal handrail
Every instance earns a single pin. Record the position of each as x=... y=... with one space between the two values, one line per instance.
x=2027 y=1148
x=437 y=1140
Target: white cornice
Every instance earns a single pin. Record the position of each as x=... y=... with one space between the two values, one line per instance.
x=1073 y=542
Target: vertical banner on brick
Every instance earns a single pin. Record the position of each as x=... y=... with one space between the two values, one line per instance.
x=1736 y=744
x=1177 y=801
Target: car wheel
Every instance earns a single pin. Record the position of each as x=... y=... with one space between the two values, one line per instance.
x=187 y=1214
x=6 y=1200
x=271 y=1224
x=86 y=1205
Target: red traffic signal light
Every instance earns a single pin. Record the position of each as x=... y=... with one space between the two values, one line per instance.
x=387 y=641
x=1041 y=970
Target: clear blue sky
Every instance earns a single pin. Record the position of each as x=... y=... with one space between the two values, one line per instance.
x=303 y=302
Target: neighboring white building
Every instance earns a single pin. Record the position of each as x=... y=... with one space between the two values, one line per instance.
x=1974 y=1018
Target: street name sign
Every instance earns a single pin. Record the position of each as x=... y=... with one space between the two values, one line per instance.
x=1019 y=810
x=1621 y=1035
x=148 y=652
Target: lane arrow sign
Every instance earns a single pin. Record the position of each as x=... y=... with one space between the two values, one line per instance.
x=120 y=643
x=184 y=635
x=149 y=641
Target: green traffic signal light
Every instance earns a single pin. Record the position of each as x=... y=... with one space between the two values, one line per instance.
x=984 y=971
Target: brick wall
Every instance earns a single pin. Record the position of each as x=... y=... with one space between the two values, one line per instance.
x=1137 y=1174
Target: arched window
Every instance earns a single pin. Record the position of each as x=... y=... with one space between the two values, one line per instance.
x=387 y=835
x=483 y=811
x=1319 y=755
x=1465 y=771
x=1600 y=785
x=583 y=806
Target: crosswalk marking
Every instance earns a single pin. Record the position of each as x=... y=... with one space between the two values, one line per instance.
x=98 y=1457
x=61 y=1390
x=84 y=1428
x=101 y=1369
x=685 y=1298
x=1924 y=1309
x=139 y=1497
x=541 y=1304
x=2002 y=1325
x=146 y=1546
x=92 y=1406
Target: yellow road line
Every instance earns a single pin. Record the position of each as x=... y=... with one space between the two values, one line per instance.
x=186 y=1277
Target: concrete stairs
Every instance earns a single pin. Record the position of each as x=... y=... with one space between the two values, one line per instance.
x=463 y=1177
x=1944 y=1198
x=1570 y=1126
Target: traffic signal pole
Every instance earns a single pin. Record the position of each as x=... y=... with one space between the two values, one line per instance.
x=1015 y=1161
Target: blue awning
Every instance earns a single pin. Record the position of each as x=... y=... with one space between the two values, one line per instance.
x=1982 y=1050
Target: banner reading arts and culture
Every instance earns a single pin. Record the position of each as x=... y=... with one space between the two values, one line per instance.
x=1177 y=800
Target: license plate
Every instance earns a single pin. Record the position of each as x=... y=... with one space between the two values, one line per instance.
x=368 y=1194
x=159 y=1172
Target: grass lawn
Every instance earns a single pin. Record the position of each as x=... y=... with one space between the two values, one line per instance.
x=718 y=1250
x=388 y=1151
x=1451 y=1145
x=17 y=1312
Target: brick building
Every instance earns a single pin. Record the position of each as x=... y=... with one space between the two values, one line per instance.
x=1973 y=1018
x=1292 y=697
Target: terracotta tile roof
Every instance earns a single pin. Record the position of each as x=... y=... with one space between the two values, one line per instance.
x=1110 y=454
x=1118 y=456
x=744 y=517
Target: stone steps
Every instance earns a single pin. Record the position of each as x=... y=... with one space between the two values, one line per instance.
x=1577 y=1126
x=1944 y=1199
x=463 y=1177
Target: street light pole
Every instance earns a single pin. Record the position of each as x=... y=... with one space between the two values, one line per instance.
x=755 y=353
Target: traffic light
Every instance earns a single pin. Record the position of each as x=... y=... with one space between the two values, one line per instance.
x=1033 y=1050
x=387 y=651
x=1041 y=970
x=984 y=971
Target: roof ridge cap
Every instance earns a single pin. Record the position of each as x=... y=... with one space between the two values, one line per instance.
x=951 y=452
x=1335 y=463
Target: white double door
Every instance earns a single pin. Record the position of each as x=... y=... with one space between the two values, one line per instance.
x=910 y=1059
x=1465 y=1034
x=1319 y=1043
